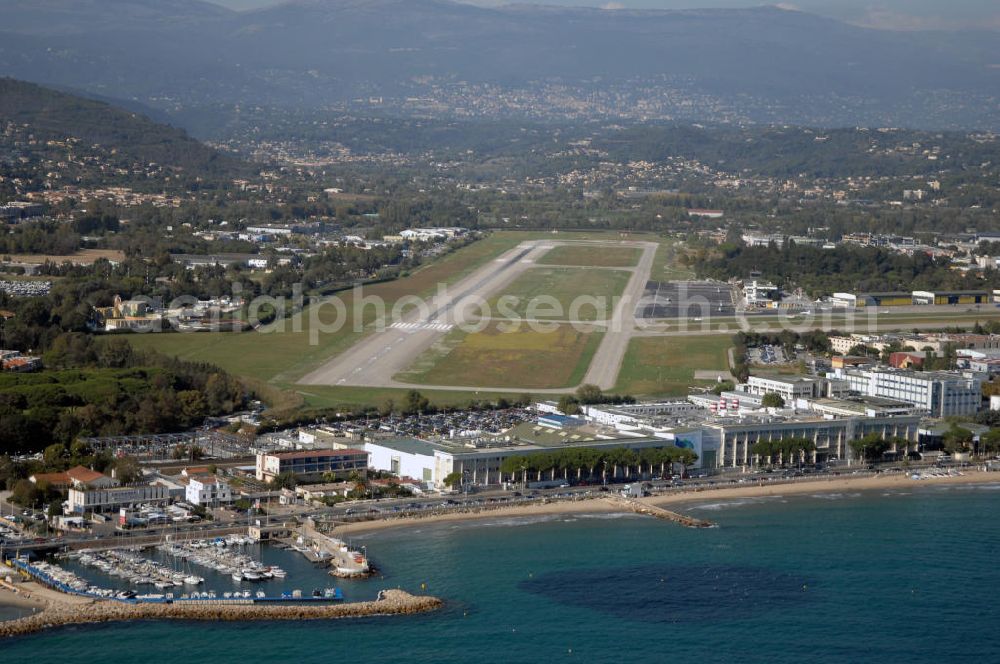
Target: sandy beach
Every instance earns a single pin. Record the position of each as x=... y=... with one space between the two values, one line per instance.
x=598 y=504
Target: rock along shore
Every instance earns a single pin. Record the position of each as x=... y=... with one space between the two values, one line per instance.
x=391 y=602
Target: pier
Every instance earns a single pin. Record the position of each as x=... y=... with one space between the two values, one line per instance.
x=321 y=548
x=642 y=507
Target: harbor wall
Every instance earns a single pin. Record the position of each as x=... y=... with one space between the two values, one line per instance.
x=390 y=602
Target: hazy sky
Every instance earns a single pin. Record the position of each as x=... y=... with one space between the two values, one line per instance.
x=892 y=14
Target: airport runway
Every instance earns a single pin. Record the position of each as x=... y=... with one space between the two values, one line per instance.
x=607 y=361
x=373 y=361
x=376 y=359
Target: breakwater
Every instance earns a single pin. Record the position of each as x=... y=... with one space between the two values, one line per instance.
x=57 y=614
x=641 y=507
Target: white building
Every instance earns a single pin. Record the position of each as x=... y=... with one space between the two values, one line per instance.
x=634 y=414
x=479 y=460
x=762 y=239
x=406 y=457
x=846 y=300
x=208 y=490
x=788 y=388
x=110 y=499
x=728 y=442
x=757 y=292
x=936 y=393
x=425 y=234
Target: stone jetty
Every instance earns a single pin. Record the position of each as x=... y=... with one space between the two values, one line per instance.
x=58 y=614
x=642 y=507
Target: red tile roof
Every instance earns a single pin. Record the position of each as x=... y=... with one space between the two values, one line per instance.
x=205 y=479
x=51 y=478
x=84 y=475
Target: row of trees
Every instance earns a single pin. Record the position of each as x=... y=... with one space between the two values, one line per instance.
x=844 y=268
x=588 y=395
x=588 y=463
x=783 y=450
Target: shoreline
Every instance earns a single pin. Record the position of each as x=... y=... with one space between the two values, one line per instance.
x=600 y=505
x=54 y=609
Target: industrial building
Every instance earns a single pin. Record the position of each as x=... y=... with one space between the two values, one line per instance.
x=633 y=414
x=906 y=299
x=951 y=297
x=479 y=459
x=407 y=457
x=861 y=300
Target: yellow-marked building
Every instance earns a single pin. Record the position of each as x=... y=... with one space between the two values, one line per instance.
x=951 y=297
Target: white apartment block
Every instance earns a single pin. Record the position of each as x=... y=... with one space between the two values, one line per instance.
x=103 y=500
x=936 y=393
x=208 y=490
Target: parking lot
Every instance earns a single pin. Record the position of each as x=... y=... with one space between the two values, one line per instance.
x=686 y=299
x=768 y=355
x=440 y=424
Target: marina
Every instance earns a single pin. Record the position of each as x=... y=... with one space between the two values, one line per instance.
x=69 y=582
x=224 y=555
x=233 y=568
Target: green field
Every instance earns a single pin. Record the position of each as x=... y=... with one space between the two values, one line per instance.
x=665 y=264
x=603 y=256
x=281 y=353
x=523 y=358
x=551 y=294
x=655 y=366
x=271 y=361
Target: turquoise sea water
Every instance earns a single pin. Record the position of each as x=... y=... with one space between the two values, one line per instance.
x=875 y=577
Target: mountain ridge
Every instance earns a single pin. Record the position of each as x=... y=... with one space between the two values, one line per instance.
x=757 y=64
x=54 y=115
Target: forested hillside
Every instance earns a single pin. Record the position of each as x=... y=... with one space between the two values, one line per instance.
x=101 y=144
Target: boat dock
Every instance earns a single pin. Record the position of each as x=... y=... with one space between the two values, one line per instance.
x=642 y=507
x=320 y=548
x=68 y=583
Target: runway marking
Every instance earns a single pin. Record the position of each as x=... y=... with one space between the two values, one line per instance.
x=438 y=327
